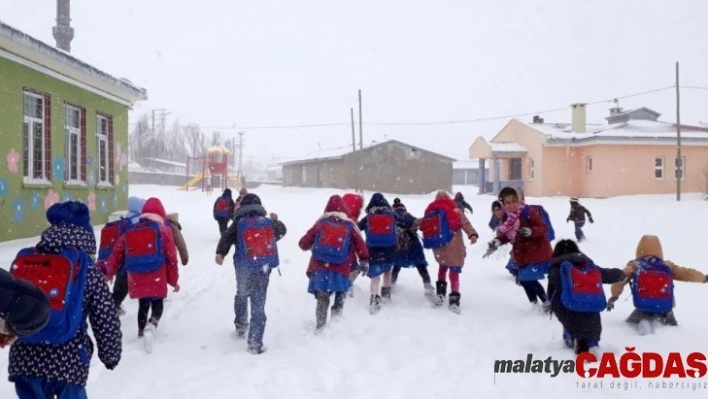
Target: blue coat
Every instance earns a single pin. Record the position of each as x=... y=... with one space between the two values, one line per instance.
x=378 y=255
x=413 y=255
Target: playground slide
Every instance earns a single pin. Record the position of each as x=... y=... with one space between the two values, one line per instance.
x=192 y=182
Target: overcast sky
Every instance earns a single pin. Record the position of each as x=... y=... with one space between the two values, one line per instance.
x=256 y=63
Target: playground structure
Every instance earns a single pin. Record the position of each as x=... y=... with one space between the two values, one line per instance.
x=214 y=171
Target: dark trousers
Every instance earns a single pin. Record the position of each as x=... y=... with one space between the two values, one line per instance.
x=120 y=288
x=223 y=225
x=144 y=307
x=40 y=388
x=534 y=291
x=422 y=271
x=579 y=230
x=323 y=304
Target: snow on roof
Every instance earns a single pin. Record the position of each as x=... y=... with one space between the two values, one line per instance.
x=633 y=129
x=166 y=162
x=507 y=147
x=465 y=164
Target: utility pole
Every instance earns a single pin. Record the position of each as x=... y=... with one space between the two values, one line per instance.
x=356 y=170
x=361 y=125
x=361 y=147
x=679 y=161
x=240 y=158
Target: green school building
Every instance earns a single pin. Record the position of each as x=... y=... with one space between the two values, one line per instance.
x=63 y=134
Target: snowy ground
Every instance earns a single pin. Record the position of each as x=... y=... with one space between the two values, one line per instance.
x=409 y=349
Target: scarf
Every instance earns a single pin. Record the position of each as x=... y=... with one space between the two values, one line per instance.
x=511 y=224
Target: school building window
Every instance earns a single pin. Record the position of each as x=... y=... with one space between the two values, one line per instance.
x=75 y=144
x=515 y=169
x=680 y=169
x=36 y=138
x=104 y=141
x=659 y=168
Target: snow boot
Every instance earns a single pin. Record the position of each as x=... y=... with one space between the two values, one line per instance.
x=429 y=292
x=386 y=294
x=568 y=339
x=375 y=304
x=441 y=291
x=241 y=332
x=257 y=350
x=581 y=346
x=669 y=319
x=455 y=302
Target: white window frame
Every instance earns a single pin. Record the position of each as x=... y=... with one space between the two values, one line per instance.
x=69 y=131
x=660 y=168
x=588 y=165
x=304 y=175
x=102 y=141
x=27 y=139
x=532 y=169
x=683 y=168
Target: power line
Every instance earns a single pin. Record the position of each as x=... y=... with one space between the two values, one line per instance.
x=694 y=87
x=447 y=122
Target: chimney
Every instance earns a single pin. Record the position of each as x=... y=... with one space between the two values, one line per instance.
x=616 y=111
x=579 y=116
x=63 y=33
x=537 y=119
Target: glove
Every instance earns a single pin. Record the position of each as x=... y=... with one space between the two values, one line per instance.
x=111 y=366
x=546 y=307
x=592 y=221
x=525 y=231
x=705 y=280
x=494 y=244
x=364 y=268
x=567 y=220
x=611 y=303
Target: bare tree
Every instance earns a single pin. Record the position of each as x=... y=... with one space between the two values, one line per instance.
x=216 y=138
x=195 y=139
x=141 y=139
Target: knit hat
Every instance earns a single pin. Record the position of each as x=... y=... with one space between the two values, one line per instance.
x=377 y=201
x=70 y=212
x=227 y=192
x=573 y=199
x=135 y=207
x=336 y=204
x=242 y=191
x=154 y=205
x=397 y=204
x=250 y=199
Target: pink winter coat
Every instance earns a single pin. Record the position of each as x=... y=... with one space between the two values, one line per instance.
x=151 y=284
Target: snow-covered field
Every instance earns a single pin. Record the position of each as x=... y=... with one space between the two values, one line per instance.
x=409 y=349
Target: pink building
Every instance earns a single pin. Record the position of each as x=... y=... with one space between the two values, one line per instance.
x=633 y=153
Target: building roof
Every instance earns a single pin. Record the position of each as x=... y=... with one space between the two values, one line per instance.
x=166 y=162
x=31 y=52
x=506 y=147
x=338 y=153
x=633 y=130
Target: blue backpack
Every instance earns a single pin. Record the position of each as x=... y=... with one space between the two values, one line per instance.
x=144 y=249
x=582 y=288
x=550 y=232
x=652 y=286
x=223 y=208
x=110 y=233
x=62 y=278
x=256 y=244
x=436 y=229
x=333 y=241
x=381 y=229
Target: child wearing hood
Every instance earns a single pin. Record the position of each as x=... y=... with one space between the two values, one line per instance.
x=223 y=210
x=354 y=202
x=451 y=256
x=650 y=254
x=324 y=238
x=381 y=255
x=462 y=204
x=581 y=330
x=45 y=370
x=150 y=288
x=120 y=285
x=410 y=249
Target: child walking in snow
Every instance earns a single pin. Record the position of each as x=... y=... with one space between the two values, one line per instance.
x=223 y=211
x=651 y=278
x=451 y=255
x=380 y=227
x=577 y=216
x=582 y=327
x=151 y=264
x=410 y=249
x=255 y=237
x=336 y=243
x=55 y=361
x=354 y=202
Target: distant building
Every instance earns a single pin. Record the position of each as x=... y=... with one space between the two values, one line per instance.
x=391 y=166
x=64 y=129
x=633 y=154
x=164 y=165
x=465 y=173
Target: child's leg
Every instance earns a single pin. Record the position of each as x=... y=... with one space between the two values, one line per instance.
x=424 y=275
x=143 y=309
x=442 y=273
x=454 y=281
x=374 y=286
x=338 y=306
x=158 y=306
x=120 y=288
x=534 y=291
x=394 y=275
x=321 y=308
x=386 y=289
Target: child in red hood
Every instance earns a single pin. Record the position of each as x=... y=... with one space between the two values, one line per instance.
x=354 y=203
x=329 y=268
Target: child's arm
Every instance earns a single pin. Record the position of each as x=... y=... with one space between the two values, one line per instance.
x=308 y=239
x=587 y=212
x=686 y=273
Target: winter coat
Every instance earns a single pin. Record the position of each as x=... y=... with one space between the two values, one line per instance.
x=181 y=245
x=379 y=255
x=580 y=325
x=230 y=236
x=357 y=248
x=535 y=248
x=494 y=223
x=453 y=253
x=69 y=362
x=23 y=306
x=232 y=206
x=648 y=246
x=414 y=254
x=577 y=213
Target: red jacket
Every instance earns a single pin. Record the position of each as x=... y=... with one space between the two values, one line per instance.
x=151 y=284
x=535 y=248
